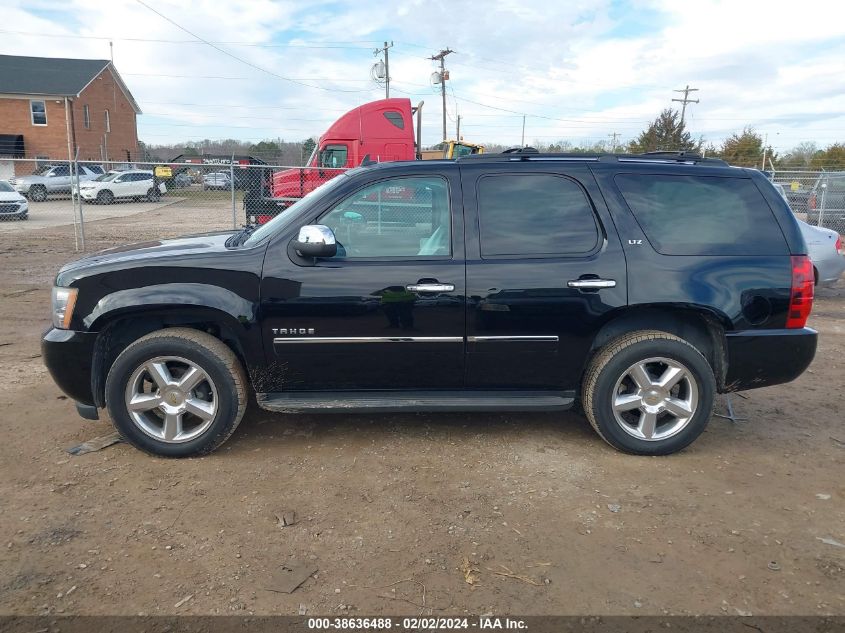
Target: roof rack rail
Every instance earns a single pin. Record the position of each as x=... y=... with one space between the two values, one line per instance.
x=531 y=154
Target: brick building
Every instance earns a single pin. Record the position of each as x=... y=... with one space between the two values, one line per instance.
x=51 y=106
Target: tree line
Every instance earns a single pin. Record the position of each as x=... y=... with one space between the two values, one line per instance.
x=666 y=133
x=744 y=149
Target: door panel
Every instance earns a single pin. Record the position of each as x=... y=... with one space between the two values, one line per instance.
x=352 y=322
x=122 y=186
x=143 y=185
x=526 y=326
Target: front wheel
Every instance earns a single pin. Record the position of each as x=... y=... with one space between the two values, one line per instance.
x=649 y=393
x=176 y=393
x=105 y=197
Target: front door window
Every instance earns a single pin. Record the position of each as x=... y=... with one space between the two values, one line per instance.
x=396 y=218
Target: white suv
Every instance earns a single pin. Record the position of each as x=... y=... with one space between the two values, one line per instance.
x=133 y=184
x=52 y=179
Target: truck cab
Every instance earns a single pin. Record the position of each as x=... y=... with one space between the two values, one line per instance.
x=382 y=131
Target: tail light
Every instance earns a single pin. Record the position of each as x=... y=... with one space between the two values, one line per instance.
x=839 y=248
x=811 y=201
x=801 y=293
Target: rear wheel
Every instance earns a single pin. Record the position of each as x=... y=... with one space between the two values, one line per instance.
x=153 y=195
x=649 y=393
x=38 y=193
x=105 y=197
x=176 y=393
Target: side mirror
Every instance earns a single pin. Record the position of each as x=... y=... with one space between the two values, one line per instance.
x=316 y=240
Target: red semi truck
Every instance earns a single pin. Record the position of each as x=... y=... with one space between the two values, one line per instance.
x=379 y=131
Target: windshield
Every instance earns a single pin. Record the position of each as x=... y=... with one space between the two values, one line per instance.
x=107 y=177
x=292 y=212
x=5 y=186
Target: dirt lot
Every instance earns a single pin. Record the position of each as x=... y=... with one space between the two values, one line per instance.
x=59 y=212
x=388 y=506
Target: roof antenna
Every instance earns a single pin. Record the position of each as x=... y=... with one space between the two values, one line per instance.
x=111 y=52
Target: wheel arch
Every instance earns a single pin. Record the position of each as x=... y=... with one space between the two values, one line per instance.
x=120 y=328
x=701 y=327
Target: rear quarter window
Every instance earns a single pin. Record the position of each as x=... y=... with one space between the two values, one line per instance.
x=702 y=215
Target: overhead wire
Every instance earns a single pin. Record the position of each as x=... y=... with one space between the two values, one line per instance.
x=240 y=59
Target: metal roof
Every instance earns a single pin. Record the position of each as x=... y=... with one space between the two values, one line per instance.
x=53 y=76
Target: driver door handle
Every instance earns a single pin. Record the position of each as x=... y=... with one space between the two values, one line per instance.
x=591 y=284
x=430 y=287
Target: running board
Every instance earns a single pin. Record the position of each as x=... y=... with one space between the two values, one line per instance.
x=413 y=401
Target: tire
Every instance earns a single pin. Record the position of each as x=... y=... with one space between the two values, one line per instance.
x=219 y=393
x=642 y=425
x=153 y=195
x=105 y=197
x=23 y=217
x=38 y=193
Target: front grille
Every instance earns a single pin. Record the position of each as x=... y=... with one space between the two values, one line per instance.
x=9 y=207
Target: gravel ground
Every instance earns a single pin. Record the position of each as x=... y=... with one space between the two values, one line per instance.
x=750 y=519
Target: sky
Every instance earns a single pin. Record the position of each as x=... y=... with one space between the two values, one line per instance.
x=577 y=70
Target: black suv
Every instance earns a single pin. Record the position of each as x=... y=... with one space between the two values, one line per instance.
x=635 y=286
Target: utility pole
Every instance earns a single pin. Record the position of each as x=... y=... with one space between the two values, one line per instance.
x=613 y=136
x=765 y=144
x=443 y=76
x=523 y=131
x=685 y=100
x=458 y=131
x=385 y=50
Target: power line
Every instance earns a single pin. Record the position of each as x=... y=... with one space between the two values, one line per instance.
x=240 y=59
x=321 y=45
x=164 y=76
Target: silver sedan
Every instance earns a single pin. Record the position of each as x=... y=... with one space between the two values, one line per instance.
x=824 y=246
x=826 y=251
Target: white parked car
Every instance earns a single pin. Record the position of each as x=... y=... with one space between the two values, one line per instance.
x=134 y=184
x=13 y=206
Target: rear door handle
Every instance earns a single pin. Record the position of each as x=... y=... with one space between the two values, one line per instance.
x=591 y=284
x=430 y=287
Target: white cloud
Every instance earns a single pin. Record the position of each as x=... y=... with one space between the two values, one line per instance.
x=586 y=68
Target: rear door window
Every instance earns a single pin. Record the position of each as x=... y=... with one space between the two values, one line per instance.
x=702 y=215
x=541 y=215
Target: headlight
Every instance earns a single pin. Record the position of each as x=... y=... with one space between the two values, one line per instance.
x=64 y=300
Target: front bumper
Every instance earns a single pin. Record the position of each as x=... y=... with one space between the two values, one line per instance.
x=760 y=358
x=16 y=209
x=68 y=356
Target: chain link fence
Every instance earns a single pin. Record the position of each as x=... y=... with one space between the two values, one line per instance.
x=227 y=192
x=204 y=193
x=817 y=197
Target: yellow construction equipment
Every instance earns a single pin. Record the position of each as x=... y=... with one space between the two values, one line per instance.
x=451 y=149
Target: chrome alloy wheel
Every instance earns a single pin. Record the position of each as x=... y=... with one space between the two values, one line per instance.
x=171 y=399
x=655 y=399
